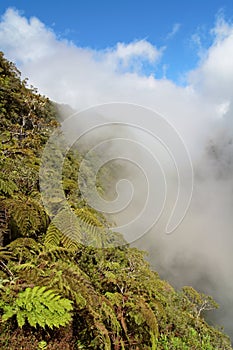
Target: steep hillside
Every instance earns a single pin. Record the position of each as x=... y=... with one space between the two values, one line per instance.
x=57 y=291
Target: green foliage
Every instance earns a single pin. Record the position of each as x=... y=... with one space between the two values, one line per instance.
x=42 y=345
x=53 y=272
x=5 y=254
x=196 y=302
x=27 y=216
x=64 y=230
x=7 y=187
x=199 y=341
x=39 y=306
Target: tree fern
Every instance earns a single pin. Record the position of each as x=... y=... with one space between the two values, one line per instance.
x=94 y=232
x=71 y=229
x=89 y=218
x=81 y=226
x=63 y=230
x=71 y=281
x=53 y=235
x=27 y=216
x=39 y=306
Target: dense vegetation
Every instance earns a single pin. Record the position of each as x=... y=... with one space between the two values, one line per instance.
x=57 y=292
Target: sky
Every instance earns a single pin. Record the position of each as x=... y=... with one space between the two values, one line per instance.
x=175 y=57
x=178 y=28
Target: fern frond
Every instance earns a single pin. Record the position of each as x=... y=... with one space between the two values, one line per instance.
x=7 y=187
x=94 y=231
x=5 y=254
x=89 y=218
x=4 y=224
x=141 y=315
x=24 y=249
x=24 y=267
x=27 y=215
x=70 y=229
x=53 y=236
x=64 y=230
x=55 y=253
x=111 y=319
x=71 y=281
x=103 y=335
x=28 y=243
x=39 y=306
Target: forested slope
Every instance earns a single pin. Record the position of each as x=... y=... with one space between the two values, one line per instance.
x=57 y=292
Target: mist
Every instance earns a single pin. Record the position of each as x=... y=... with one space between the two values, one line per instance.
x=199 y=252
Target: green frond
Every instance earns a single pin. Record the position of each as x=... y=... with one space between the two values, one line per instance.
x=148 y=315
x=89 y=218
x=102 y=335
x=27 y=215
x=24 y=267
x=70 y=229
x=95 y=233
x=53 y=236
x=54 y=253
x=5 y=254
x=110 y=317
x=39 y=306
x=71 y=281
x=28 y=243
x=64 y=230
x=4 y=224
x=24 y=249
x=7 y=187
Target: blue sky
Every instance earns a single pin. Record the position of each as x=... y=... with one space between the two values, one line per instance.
x=101 y=24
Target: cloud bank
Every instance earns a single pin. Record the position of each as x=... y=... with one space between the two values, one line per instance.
x=200 y=252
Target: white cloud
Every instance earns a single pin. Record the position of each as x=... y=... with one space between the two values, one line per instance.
x=174 y=31
x=140 y=49
x=19 y=37
x=214 y=76
x=132 y=57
